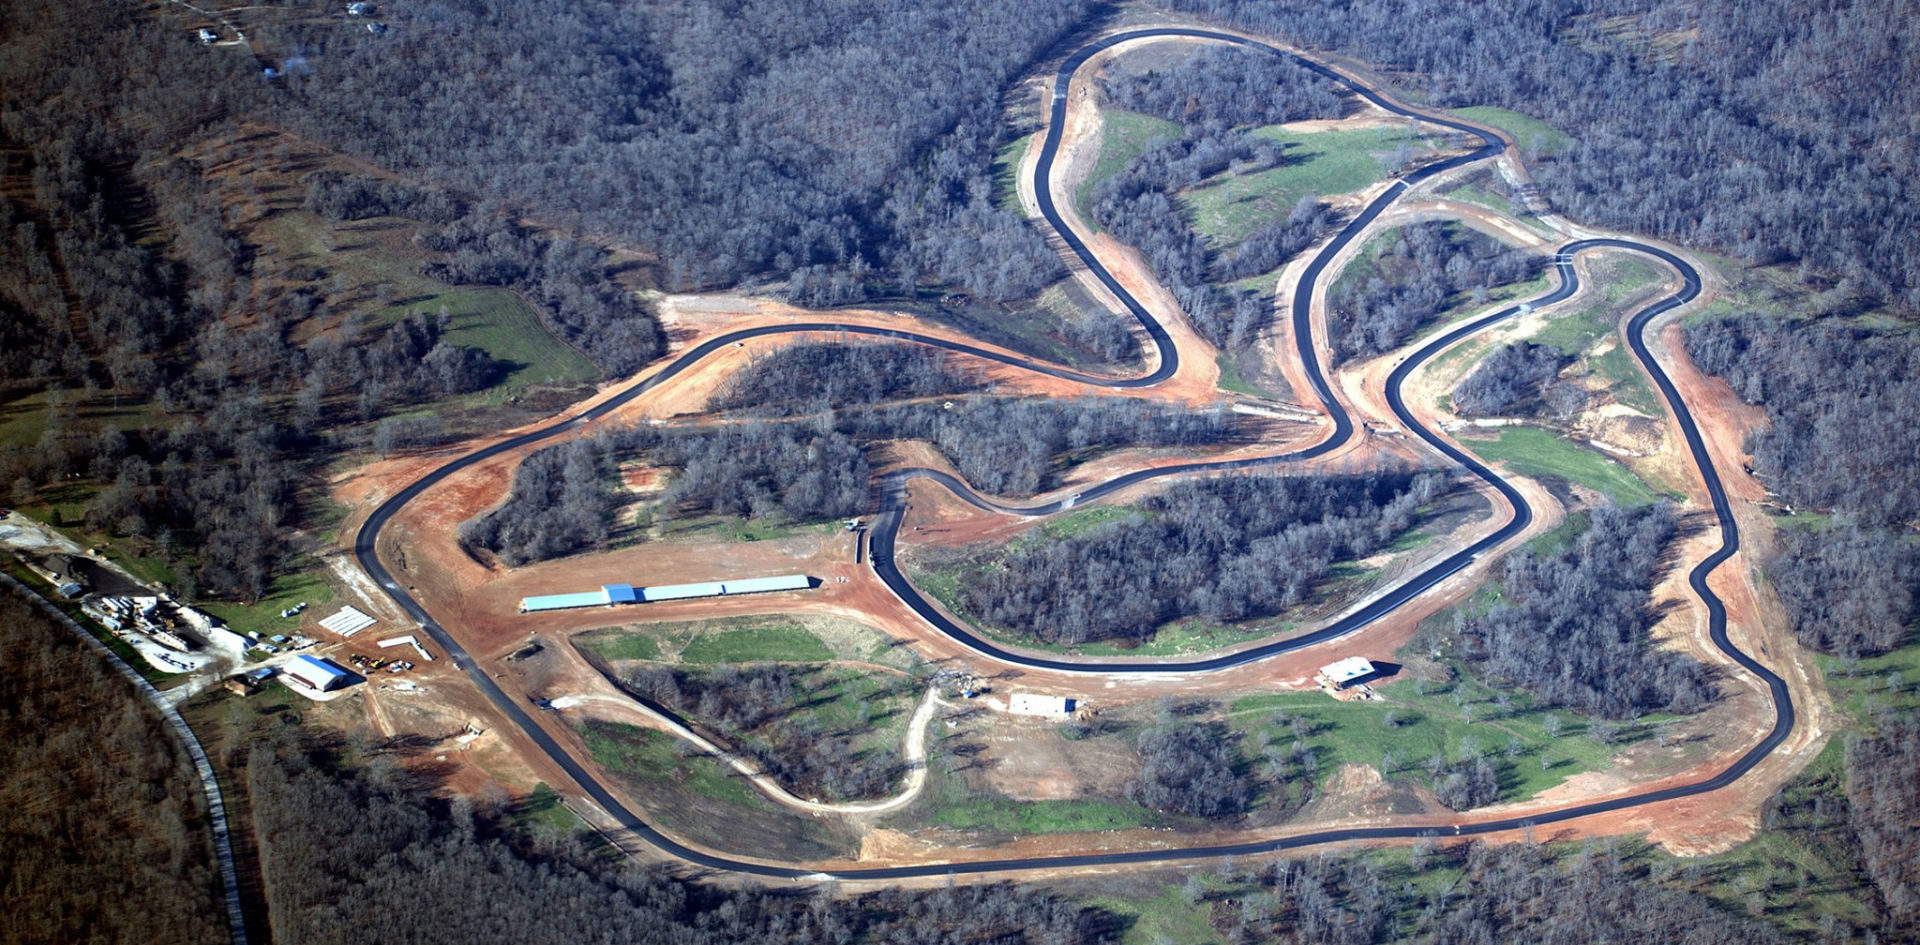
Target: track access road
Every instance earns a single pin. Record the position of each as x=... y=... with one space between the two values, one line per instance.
x=366 y=542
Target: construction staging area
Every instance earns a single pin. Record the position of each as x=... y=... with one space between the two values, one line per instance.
x=610 y=594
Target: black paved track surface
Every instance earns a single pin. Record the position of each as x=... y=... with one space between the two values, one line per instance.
x=887 y=524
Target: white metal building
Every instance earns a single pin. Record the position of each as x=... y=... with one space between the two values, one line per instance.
x=316 y=674
x=610 y=594
x=1028 y=703
x=1346 y=671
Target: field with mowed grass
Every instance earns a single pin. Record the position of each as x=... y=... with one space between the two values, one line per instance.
x=380 y=275
x=1533 y=452
x=1318 y=164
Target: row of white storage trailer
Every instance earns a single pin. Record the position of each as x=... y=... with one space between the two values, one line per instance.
x=610 y=594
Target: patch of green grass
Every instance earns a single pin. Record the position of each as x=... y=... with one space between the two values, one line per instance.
x=1467 y=193
x=1006 y=815
x=1627 y=383
x=1574 y=332
x=1081 y=521
x=646 y=755
x=1529 y=134
x=783 y=643
x=1124 y=136
x=1864 y=688
x=1628 y=275
x=1006 y=173
x=733 y=528
x=387 y=285
x=542 y=812
x=1321 y=163
x=1445 y=720
x=619 y=644
x=1165 y=919
x=1534 y=452
x=1799 y=871
x=1231 y=378
x=1562 y=536
x=843 y=639
x=284 y=592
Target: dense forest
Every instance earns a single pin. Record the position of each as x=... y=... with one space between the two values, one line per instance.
x=1192 y=768
x=564 y=498
x=1516 y=380
x=399 y=867
x=1573 y=628
x=1777 y=130
x=751 y=709
x=1211 y=95
x=1516 y=892
x=1838 y=395
x=811 y=377
x=844 y=149
x=1883 y=808
x=1227 y=86
x=1223 y=549
x=1020 y=447
x=1422 y=270
x=102 y=826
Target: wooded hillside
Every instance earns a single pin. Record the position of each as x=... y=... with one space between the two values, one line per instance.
x=100 y=811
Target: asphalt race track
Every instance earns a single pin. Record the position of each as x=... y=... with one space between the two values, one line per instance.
x=887 y=524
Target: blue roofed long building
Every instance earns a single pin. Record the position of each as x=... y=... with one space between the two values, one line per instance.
x=611 y=594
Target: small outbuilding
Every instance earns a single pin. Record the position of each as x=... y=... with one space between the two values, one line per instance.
x=1346 y=672
x=315 y=673
x=1052 y=707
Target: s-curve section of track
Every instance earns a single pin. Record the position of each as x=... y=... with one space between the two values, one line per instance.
x=367 y=540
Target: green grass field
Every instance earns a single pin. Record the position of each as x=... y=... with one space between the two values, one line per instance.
x=1533 y=452
x=1007 y=815
x=264 y=615
x=1529 y=134
x=752 y=644
x=1006 y=171
x=1574 y=332
x=494 y=320
x=1124 y=135
x=1446 y=720
x=749 y=639
x=646 y=755
x=1324 y=163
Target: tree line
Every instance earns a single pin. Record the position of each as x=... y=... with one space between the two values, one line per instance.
x=1006 y=446
x=1226 y=86
x=1515 y=381
x=1555 y=895
x=1223 y=549
x=105 y=837
x=1420 y=272
x=399 y=865
x=811 y=377
x=1573 y=628
x=837 y=154
x=1838 y=394
x=564 y=498
x=753 y=709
